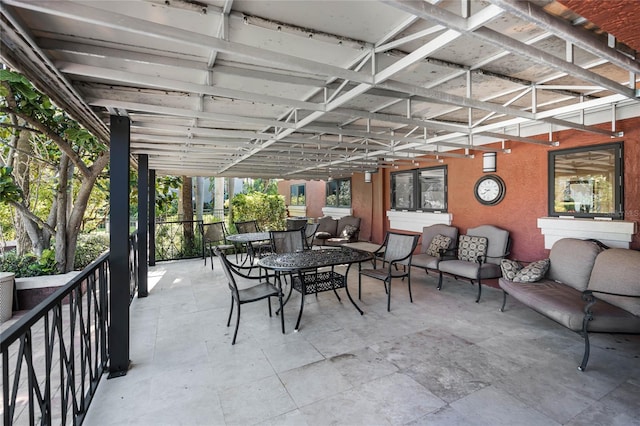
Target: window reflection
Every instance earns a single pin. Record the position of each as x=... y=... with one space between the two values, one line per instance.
x=586 y=182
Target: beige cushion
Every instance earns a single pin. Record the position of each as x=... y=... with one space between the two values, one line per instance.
x=571 y=262
x=618 y=271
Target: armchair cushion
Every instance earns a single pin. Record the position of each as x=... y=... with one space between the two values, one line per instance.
x=532 y=272
x=439 y=242
x=469 y=247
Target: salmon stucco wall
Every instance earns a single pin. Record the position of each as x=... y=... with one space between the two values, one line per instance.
x=314 y=195
x=525 y=173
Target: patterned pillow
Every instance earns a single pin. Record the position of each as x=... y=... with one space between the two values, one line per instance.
x=510 y=268
x=469 y=248
x=349 y=231
x=438 y=242
x=532 y=272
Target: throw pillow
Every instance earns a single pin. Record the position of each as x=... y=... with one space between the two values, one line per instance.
x=438 y=242
x=532 y=272
x=349 y=231
x=510 y=268
x=469 y=248
x=323 y=235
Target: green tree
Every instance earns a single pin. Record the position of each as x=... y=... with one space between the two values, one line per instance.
x=72 y=156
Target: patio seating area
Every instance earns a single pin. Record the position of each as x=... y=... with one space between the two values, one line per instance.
x=441 y=360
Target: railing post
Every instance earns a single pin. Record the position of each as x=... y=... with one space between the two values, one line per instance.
x=119 y=243
x=152 y=217
x=143 y=223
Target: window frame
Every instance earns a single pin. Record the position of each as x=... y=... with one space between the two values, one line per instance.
x=338 y=183
x=417 y=193
x=297 y=186
x=618 y=182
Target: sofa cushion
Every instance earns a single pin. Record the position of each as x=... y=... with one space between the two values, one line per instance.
x=349 y=231
x=532 y=272
x=510 y=268
x=345 y=221
x=327 y=224
x=439 y=242
x=323 y=235
x=564 y=305
x=469 y=248
x=571 y=262
x=617 y=270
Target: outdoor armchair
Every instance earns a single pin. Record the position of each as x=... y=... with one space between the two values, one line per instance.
x=398 y=251
x=437 y=244
x=479 y=254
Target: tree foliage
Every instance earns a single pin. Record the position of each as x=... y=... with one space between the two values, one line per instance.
x=58 y=163
x=268 y=210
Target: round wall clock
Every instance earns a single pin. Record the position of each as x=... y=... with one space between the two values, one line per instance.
x=490 y=190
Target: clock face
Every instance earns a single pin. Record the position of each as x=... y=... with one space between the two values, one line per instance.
x=489 y=190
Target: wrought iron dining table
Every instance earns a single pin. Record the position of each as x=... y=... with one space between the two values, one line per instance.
x=248 y=239
x=304 y=265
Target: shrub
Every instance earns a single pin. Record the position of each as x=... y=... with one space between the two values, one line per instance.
x=29 y=265
x=89 y=248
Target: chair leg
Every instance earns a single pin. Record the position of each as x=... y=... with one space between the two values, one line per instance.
x=479 y=290
x=409 y=285
x=388 y=295
x=230 y=312
x=281 y=311
x=269 y=303
x=439 y=281
x=235 y=333
x=504 y=300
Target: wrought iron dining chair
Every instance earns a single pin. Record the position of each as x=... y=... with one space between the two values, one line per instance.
x=310 y=233
x=257 y=248
x=215 y=235
x=239 y=296
x=290 y=241
x=398 y=251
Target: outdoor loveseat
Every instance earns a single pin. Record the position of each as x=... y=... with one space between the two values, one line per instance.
x=335 y=232
x=587 y=288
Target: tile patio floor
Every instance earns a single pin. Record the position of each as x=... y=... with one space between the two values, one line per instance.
x=443 y=360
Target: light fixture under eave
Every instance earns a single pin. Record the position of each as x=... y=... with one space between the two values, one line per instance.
x=489 y=162
x=367 y=177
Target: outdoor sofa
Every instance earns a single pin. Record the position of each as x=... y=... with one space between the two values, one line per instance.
x=335 y=232
x=587 y=288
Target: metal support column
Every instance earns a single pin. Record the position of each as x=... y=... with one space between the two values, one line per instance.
x=143 y=224
x=152 y=217
x=119 y=247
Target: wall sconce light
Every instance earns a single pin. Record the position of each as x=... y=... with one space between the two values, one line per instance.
x=367 y=177
x=489 y=162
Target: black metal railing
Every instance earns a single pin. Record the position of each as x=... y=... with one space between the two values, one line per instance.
x=133 y=265
x=178 y=240
x=54 y=356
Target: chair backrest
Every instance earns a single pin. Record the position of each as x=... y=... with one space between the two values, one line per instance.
x=289 y=241
x=399 y=246
x=428 y=232
x=213 y=232
x=228 y=269
x=310 y=233
x=498 y=241
x=247 y=227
